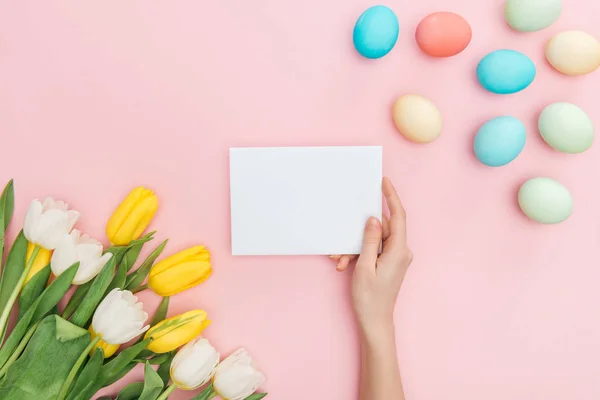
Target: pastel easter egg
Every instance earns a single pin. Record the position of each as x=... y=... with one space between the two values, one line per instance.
x=417 y=118
x=573 y=53
x=443 y=34
x=545 y=200
x=566 y=127
x=505 y=71
x=376 y=32
x=532 y=15
x=499 y=141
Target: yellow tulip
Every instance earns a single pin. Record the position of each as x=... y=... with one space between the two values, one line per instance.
x=132 y=216
x=108 y=349
x=41 y=260
x=180 y=271
x=176 y=331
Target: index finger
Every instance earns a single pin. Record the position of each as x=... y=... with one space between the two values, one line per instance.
x=397 y=212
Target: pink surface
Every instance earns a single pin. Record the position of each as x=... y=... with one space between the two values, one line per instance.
x=96 y=97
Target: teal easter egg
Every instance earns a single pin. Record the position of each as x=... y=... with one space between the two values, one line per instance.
x=499 y=141
x=376 y=32
x=505 y=71
x=545 y=200
x=532 y=15
x=566 y=127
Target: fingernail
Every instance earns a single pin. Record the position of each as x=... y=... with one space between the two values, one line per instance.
x=338 y=266
x=372 y=223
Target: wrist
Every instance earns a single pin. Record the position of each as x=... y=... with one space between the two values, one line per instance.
x=378 y=332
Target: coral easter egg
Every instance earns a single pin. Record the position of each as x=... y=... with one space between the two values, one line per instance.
x=443 y=34
x=532 y=15
x=545 y=200
x=499 y=141
x=573 y=53
x=566 y=127
x=417 y=118
x=505 y=71
x=376 y=32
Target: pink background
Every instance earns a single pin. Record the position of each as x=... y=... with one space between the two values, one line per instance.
x=97 y=97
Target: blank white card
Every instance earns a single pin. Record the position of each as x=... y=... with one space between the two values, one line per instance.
x=303 y=200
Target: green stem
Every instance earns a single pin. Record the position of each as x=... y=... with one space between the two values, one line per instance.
x=212 y=396
x=64 y=390
x=140 y=288
x=15 y=355
x=17 y=290
x=167 y=392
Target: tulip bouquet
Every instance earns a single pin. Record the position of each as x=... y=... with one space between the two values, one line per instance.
x=70 y=354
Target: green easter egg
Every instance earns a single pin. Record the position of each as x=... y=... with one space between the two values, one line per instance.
x=532 y=15
x=566 y=127
x=545 y=200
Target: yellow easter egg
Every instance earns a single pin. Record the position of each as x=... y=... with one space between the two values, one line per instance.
x=417 y=118
x=573 y=53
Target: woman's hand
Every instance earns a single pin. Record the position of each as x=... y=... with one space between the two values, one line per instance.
x=378 y=277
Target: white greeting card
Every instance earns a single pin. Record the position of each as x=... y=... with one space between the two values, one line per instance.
x=303 y=200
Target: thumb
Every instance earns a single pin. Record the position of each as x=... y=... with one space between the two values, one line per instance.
x=371 y=244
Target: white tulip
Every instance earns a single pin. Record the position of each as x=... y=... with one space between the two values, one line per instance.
x=194 y=365
x=119 y=317
x=46 y=224
x=237 y=377
x=77 y=247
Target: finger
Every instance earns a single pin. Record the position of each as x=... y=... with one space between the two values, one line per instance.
x=335 y=257
x=370 y=245
x=386 y=227
x=397 y=212
x=344 y=263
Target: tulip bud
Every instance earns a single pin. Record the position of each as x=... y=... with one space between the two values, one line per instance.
x=119 y=317
x=180 y=271
x=42 y=259
x=194 y=365
x=176 y=331
x=237 y=377
x=132 y=216
x=46 y=224
x=108 y=349
x=76 y=247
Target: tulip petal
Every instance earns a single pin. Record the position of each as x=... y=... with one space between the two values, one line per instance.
x=64 y=255
x=32 y=220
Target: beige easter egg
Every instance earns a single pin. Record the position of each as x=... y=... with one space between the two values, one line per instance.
x=417 y=118
x=573 y=53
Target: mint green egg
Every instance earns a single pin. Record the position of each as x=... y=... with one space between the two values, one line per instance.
x=532 y=15
x=566 y=127
x=545 y=200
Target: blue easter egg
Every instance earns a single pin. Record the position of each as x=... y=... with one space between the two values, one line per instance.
x=376 y=32
x=505 y=71
x=499 y=141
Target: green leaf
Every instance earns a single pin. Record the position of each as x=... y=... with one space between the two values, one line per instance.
x=41 y=306
x=15 y=264
x=119 y=251
x=153 y=385
x=55 y=292
x=132 y=255
x=7 y=205
x=131 y=391
x=137 y=277
x=114 y=366
x=152 y=358
x=96 y=293
x=118 y=376
x=161 y=312
x=256 y=396
x=33 y=289
x=86 y=379
x=118 y=280
x=205 y=394
x=47 y=360
x=164 y=371
x=76 y=299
